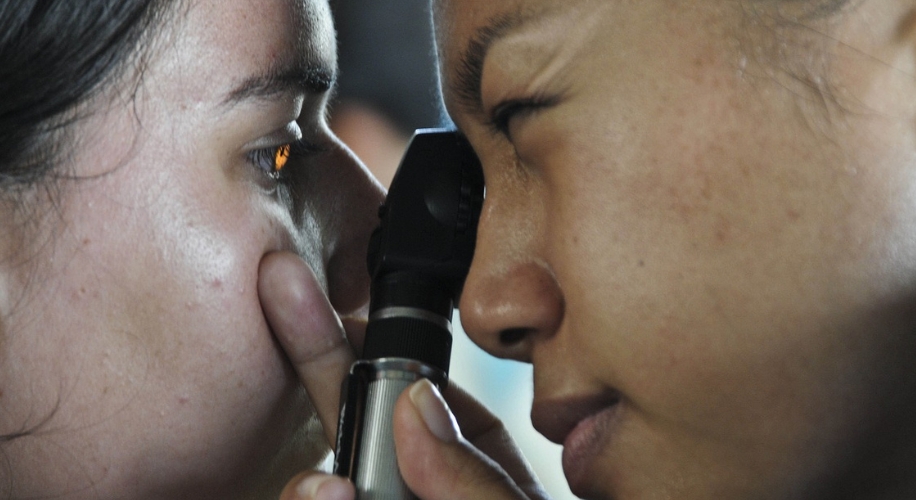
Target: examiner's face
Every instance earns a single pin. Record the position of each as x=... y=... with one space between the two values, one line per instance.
x=138 y=353
x=698 y=229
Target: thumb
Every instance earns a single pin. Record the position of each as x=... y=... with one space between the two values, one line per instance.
x=308 y=329
x=314 y=485
x=435 y=460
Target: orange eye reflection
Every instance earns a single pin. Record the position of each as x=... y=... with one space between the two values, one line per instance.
x=281 y=157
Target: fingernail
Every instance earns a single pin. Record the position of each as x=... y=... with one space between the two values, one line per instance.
x=323 y=488
x=435 y=413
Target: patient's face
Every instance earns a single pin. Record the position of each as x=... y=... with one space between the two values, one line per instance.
x=698 y=228
x=138 y=355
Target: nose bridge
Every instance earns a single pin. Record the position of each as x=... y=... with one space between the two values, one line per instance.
x=511 y=296
x=353 y=214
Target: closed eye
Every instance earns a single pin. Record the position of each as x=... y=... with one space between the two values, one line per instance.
x=504 y=112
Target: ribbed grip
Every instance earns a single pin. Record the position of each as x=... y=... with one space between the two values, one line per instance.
x=378 y=477
x=411 y=338
x=365 y=446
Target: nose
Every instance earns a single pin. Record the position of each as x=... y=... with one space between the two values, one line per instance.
x=353 y=214
x=512 y=299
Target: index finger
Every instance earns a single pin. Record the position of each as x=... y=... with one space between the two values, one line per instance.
x=489 y=435
x=309 y=331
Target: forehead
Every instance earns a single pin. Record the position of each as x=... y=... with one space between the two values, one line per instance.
x=238 y=25
x=217 y=43
x=465 y=30
x=457 y=21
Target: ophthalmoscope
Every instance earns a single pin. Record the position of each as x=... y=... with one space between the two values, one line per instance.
x=418 y=259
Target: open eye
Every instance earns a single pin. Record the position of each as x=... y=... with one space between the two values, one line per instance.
x=274 y=161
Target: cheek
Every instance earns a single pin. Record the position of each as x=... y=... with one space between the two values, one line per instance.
x=194 y=250
x=147 y=319
x=694 y=247
x=167 y=269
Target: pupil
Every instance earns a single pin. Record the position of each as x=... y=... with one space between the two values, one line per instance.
x=281 y=157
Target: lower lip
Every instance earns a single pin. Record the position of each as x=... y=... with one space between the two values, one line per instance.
x=583 y=445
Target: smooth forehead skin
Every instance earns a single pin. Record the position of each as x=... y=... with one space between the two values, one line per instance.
x=305 y=37
x=699 y=214
x=139 y=362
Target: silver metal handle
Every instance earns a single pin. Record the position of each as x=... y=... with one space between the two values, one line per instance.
x=369 y=437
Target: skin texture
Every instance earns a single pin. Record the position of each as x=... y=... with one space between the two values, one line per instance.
x=699 y=229
x=699 y=220
x=135 y=340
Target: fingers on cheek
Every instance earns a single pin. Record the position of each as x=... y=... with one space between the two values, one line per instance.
x=296 y=307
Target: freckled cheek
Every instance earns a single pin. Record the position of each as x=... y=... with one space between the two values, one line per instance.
x=203 y=260
x=216 y=267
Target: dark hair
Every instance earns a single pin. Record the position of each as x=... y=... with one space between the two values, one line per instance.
x=54 y=56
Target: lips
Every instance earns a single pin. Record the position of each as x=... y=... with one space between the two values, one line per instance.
x=581 y=425
x=555 y=419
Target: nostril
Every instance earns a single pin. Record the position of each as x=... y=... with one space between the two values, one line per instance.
x=513 y=336
x=508 y=307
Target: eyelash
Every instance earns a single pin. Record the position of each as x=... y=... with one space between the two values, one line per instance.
x=503 y=113
x=273 y=162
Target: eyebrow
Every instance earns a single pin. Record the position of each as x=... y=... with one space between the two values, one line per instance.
x=469 y=72
x=312 y=79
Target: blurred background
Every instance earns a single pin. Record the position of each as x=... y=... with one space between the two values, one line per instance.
x=388 y=84
x=388 y=87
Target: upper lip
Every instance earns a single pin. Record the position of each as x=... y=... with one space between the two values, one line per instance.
x=556 y=418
